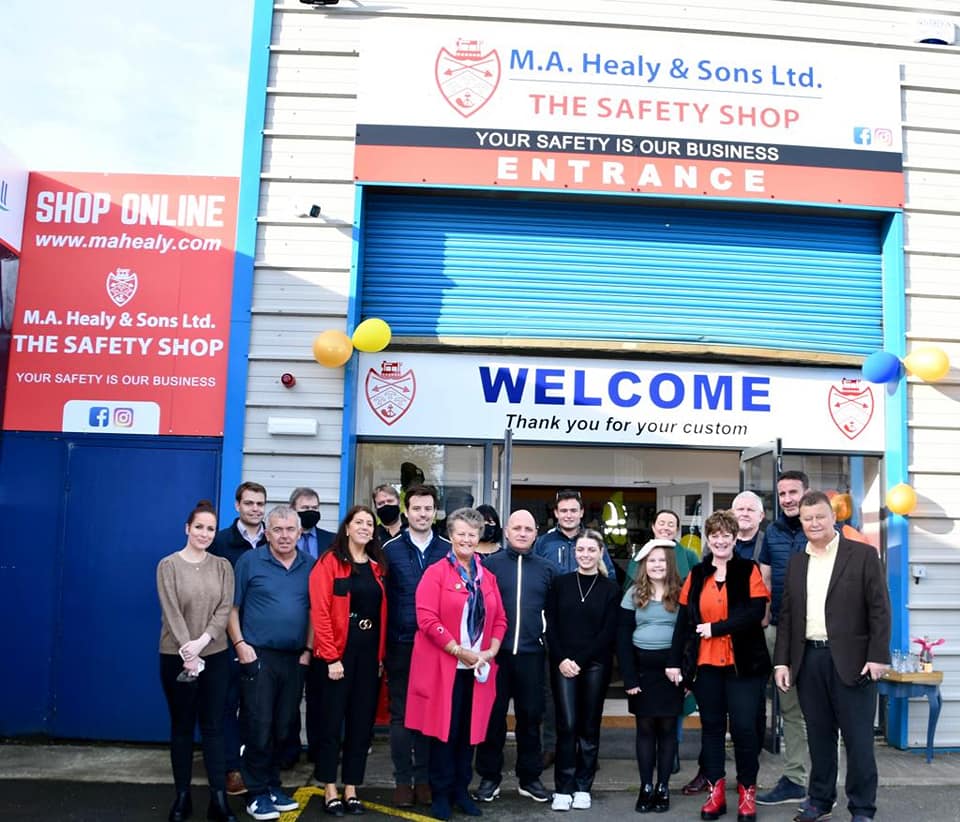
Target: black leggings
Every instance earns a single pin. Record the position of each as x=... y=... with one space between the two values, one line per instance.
x=656 y=744
x=192 y=702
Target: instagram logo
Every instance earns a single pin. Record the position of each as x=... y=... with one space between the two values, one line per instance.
x=883 y=136
x=123 y=417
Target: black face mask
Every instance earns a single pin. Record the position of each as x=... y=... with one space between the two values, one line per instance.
x=308 y=519
x=491 y=533
x=388 y=514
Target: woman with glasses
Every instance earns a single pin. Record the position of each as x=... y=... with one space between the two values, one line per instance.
x=196 y=594
x=460 y=625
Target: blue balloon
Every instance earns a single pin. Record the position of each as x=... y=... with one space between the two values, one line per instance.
x=881 y=367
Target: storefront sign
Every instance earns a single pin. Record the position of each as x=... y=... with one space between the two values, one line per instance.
x=446 y=396
x=597 y=109
x=122 y=309
x=13 y=196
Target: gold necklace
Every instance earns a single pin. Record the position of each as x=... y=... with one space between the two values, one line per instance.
x=583 y=596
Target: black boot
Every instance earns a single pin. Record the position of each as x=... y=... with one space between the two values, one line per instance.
x=645 y=800
x=219 y=808
x=181 y=808
x=661 y=798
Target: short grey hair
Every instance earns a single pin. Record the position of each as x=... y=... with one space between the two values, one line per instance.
x=751 y=496
x=282 y=512
x=468 y=516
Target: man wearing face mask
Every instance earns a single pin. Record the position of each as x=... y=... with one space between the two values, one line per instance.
x=408 y=555
x=386 y=502
x=313 y=541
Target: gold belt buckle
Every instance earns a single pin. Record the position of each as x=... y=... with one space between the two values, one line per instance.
x=365 y=624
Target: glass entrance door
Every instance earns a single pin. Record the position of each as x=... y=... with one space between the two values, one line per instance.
x=693 y=503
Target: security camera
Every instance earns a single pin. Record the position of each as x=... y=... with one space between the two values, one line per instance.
x=320 y=2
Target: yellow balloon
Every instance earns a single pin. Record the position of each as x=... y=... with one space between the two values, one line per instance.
x=332 y=348
x=901 y=499
x=929 y=364
x=371 y=335
x=691 y=541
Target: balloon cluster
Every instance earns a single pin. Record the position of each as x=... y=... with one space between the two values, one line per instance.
x=929 y=364
x=333 y=348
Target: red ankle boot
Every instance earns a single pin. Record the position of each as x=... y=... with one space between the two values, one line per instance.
x=747 y=805
x=716 y=804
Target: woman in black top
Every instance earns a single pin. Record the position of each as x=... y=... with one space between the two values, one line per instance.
x=581 y=628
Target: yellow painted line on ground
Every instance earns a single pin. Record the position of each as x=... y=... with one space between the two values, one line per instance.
x=304 y=794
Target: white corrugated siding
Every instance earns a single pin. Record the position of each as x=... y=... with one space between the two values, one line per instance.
x=303 y=264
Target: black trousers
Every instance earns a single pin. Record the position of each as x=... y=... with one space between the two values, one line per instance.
x=721 y=694
x=349 y=709
x=828 y=705
x=191 y=703
x=450 y=761
x=409 y=749
x=520 y=677
x=579 y=710
x=270 y=689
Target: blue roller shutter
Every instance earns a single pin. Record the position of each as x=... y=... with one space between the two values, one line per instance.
x=506 y=267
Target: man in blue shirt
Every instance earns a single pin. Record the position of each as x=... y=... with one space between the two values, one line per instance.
x=270 y=630
x=313 y=541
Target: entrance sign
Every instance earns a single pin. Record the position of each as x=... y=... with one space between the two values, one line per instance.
x=544 y=400
x=122 y=311
x=512 y=105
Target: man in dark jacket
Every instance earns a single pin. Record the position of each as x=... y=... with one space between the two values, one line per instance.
x=524 y=580
x=408 y=555
x=783 y=538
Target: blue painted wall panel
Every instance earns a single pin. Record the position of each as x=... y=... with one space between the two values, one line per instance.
x=93 y=515
x=509 y=267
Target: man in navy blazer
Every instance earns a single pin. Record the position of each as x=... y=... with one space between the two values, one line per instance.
x=833 y=642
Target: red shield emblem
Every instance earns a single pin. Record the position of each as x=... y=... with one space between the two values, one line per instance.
x=121 y=286
x=851 y=407
x=389 y=392
x=467 y=79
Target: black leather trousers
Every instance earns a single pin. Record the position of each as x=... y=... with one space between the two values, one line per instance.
x=579 y=704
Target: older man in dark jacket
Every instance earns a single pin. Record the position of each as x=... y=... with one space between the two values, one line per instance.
x=524 y=580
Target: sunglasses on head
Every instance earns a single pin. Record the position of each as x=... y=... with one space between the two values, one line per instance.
x=568 y=493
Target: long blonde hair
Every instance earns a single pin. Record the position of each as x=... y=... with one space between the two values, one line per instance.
x=597 y=537
x=643 y=585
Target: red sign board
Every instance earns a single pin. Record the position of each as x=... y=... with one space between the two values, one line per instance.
x=122 y=311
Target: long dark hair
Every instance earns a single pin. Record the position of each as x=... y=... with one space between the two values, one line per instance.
x=341 y=542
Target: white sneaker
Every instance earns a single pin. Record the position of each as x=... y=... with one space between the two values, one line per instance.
x=562 y=802
x=581 y=801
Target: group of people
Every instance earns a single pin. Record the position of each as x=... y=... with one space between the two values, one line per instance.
x=465 y=624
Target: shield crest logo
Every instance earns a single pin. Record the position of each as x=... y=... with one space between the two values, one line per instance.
x=851 y=407
x=389 y=392
x=121 y=286
x=466 y=78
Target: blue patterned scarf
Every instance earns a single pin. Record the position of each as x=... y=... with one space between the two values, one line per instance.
x=471 y=581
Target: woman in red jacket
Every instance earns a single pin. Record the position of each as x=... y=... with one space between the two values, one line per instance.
x=460 y=625
x=348 y=612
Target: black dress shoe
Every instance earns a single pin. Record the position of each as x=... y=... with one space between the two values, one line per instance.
x=699 y=784
x=334 y=807
x=181 y=808
x=354 y=806
x=645 y=800
x=661 y=798
x=219 y=808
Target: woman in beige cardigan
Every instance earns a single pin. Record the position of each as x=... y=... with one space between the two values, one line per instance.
x=196 y=594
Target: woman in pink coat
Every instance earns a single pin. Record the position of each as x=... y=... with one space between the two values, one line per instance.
x=461 y=623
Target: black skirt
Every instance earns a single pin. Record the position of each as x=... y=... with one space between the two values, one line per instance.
x=658 y=695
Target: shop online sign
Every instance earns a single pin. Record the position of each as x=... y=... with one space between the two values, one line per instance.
x=631 y=111
x=447 y=396
x=122 y=310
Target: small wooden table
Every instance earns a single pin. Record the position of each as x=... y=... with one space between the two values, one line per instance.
x=896 y=685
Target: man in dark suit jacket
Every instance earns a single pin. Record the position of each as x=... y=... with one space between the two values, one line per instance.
x=833 y=641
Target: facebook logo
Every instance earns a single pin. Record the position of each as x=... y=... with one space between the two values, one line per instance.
x=862 y=135
x=99 y=417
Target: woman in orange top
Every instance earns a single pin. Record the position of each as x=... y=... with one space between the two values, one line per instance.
x=718 y=643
